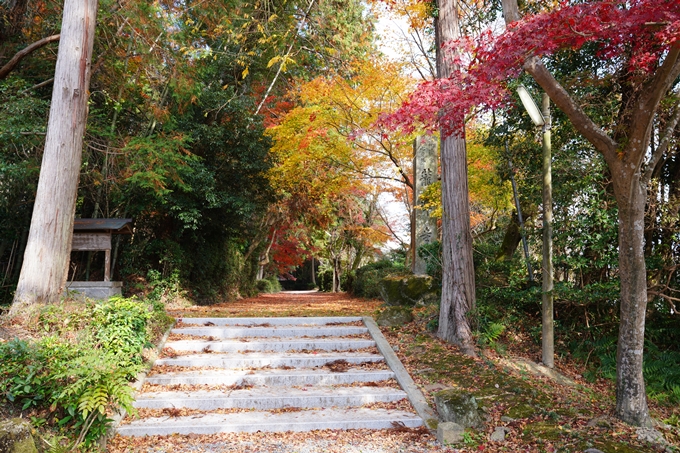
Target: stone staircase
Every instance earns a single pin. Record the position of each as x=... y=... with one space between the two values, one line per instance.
x=269 y=374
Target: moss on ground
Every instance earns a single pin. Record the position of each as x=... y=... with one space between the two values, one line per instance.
x=546 y=416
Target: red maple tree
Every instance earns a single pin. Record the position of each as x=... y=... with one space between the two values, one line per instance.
x=640 y=40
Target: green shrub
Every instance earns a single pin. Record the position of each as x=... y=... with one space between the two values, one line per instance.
x=72 y=380
x=164 y=288
x=268 y=285
x=324 y=278
x=366 y=281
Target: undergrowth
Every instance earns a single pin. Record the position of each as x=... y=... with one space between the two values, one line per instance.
x=269 y=285
x=77 y=369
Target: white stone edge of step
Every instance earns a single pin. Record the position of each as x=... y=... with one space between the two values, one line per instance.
x=282 y=393
x=162 y=427
x=267 y=402
x=137 y=385
x=277 y=374
x=251 y=360
x=283 y=321
x=234 y=332
x=415 y=396
x=280 y=344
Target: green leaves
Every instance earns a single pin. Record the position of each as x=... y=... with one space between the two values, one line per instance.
x=158 y=163
x=78 y=381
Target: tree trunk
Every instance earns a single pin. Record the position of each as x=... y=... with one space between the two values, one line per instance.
x=313 y=273
x=336 y=275
x=631 y=399
x=45 y=265
x=511 y=240
x=334 y=285
x=458 y=279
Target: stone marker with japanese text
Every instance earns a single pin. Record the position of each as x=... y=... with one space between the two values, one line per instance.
x=425 y=173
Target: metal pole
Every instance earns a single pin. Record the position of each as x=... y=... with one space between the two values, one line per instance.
x=519 y=215
x=548 y=334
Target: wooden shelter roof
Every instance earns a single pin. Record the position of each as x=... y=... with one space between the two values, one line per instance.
x=114 y=226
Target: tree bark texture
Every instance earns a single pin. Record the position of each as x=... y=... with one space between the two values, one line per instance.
x=45 y=265
x=458 y=275
x=631 y=398
x=630 y=178
x=511 y=240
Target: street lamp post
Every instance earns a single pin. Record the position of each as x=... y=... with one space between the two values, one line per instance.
x=543 y=119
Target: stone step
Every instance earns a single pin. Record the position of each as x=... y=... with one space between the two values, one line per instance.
x=253 y=421
x=258 y=360
x=268 y=332
x=271 y=321
x=272 y=377
x=283 y=344
x=262 y=398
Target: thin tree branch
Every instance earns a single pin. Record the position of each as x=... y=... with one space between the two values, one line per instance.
x=283 y=61
x=663 y=143
x=40 y=85
x=581 y=121
x=11 y=64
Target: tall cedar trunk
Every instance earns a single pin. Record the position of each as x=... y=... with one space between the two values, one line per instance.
x=45 y=265
x=631 y=399
x=458 y=279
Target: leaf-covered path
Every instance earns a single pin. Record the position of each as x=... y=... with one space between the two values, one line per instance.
x=180 y=414
x=286 y=303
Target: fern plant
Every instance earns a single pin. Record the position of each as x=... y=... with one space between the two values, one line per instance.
x=78 y=378
x=490 y=335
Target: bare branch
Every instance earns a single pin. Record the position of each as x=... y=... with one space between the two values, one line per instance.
x=654 y=90
x=11 y=64
x=581 y=121
x=663 y=143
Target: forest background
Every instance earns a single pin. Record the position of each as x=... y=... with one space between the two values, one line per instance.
x=242 y=138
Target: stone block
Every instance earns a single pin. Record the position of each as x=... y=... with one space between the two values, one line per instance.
x=458 y=407
x=407 y=290
x=450 y=433
x=16 y=437
x=498 y=434
x=395 y=316
x=96 y=290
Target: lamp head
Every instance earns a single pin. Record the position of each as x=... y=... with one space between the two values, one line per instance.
x=530 y=106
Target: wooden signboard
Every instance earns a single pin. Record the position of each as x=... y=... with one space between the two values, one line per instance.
x=94 y=242
x=94 y=235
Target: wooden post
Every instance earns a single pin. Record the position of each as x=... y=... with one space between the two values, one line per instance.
x=107 y=265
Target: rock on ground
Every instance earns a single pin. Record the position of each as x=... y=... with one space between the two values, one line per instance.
x=458 y=407
x=16 y=437
x=450 y=433
x=395 y=316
